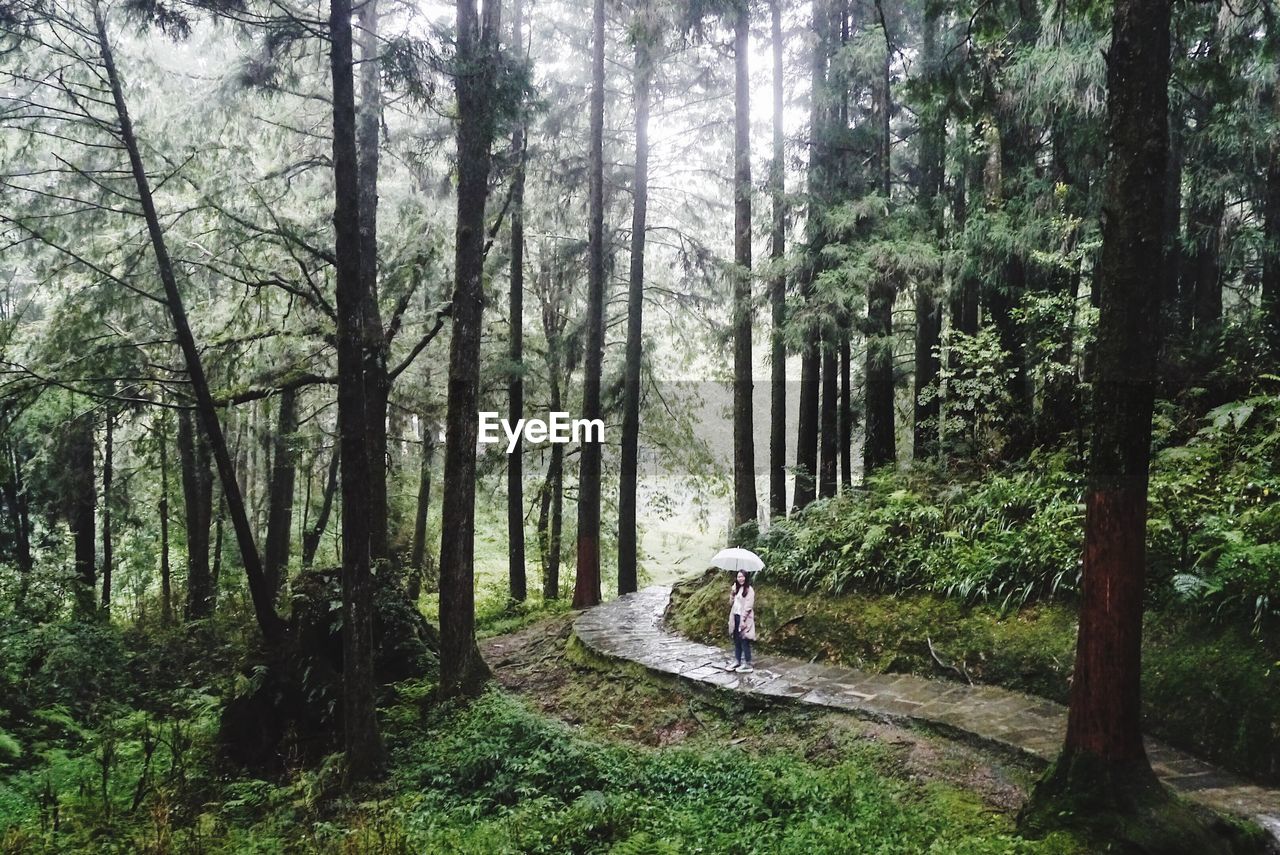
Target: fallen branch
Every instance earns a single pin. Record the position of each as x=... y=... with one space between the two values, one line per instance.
x=946 y=666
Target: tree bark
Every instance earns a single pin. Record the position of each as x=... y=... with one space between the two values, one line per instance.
x=778 y=284
x=312 y=536
x=284 y=470
x=744 y=452
x=933 y=131
x=361 y=740
x=517 y=583
x=828 y=464
x=806 y=472
x=1104 y=719
x=272 y=627
x=586 y=589
x=880 y=447
x=377 y=382
x=81 y=497
x=108 y=476
x=462 y=670
x=197 y=492
x=166 y=572
x=628 y=536
x=418 y=554
x=846 y=410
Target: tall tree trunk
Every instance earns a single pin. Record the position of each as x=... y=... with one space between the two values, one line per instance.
x=880 y=447
x=15 y=497
x=628 y=537
x=108 y=476
x=828 y=464
x=846 y=410
x=312 y=536
x=818 y=175
x=272 y=627
x=284 y=470
x=1204 y=227
x=361 y=739
x=81 y=497
x=197 y=492
x=586 y=588
x=462 y=671
x=778 y=284
x=166 y=572
x=517 y=584
x=418 y=554
x=377 y=382
x=1103 y=757
x=1271 y=232
x=744 y=449
x=551 y=523
x=933 y=134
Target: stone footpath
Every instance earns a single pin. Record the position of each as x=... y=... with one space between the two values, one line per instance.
x=632 y=628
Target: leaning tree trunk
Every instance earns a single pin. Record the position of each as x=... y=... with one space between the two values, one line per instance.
x=744 y=450
x=516 y=572
x=1103 y=766
x=586 y=589
x=628 y=543
x=778 y=285
x=361 y=739
x=272 y=627
x=462 y=670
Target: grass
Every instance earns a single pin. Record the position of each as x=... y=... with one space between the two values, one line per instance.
x=567 y=754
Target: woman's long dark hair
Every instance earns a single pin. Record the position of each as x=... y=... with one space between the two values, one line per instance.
x=741 y=585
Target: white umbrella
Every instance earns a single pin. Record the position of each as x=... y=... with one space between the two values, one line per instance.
x=736 y=559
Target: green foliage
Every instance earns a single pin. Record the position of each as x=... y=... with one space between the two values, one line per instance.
x=1010 y=538
x=496 y=778
x=1014 y=535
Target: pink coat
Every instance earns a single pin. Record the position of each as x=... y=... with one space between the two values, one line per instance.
x=749 y=614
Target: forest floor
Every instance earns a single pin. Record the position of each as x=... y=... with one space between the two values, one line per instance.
x=543 y=665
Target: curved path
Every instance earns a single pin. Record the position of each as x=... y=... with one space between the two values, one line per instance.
x=632 y=628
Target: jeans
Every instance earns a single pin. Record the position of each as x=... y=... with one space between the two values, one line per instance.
x=741 y=644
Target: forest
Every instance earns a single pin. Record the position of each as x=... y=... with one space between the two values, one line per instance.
x=962 y=315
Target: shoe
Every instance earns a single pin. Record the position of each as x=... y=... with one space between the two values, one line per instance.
x=745 y=669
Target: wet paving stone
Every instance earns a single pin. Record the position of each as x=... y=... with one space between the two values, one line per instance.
x=632 y=628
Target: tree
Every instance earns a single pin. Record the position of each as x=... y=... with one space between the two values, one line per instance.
x=645 y=38
x=1103 y=768
x=933 y=134
x=264 y=610
x=778 y=284
x=462 y=670
x=362 y=741
x=586 y=589
x=879 y=449
x=744 y=455
x=515 y=384
x=810 y=353
x=280 y=494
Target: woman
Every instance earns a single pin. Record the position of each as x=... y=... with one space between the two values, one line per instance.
x=742 y=621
